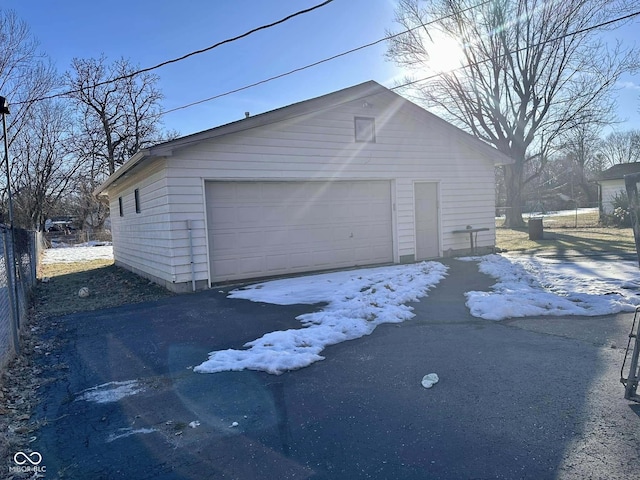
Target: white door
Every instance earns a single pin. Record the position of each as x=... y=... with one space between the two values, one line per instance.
x=426 y=212
x=259 y=229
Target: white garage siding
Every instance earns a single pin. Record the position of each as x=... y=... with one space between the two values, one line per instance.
x=143 y=241
x=314 y=142
x=258 y=229
x=320 y=146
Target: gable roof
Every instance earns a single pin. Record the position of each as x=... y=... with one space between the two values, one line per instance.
x=330 y=100
x=617 y=172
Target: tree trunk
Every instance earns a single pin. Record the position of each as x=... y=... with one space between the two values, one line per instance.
x=589 y=192
x=513 y=182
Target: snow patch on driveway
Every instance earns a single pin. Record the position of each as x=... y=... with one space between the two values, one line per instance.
x=127 y=432
x=110 y=392
x=533 y=286
x=357 y=301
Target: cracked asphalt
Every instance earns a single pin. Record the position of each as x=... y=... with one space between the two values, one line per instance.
x=535 y=398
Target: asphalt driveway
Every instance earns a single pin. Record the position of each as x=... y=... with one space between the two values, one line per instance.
x=530 y=398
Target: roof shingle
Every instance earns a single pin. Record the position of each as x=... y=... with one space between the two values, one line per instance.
x=617 y=172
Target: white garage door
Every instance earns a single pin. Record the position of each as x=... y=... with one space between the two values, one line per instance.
x=259 y=229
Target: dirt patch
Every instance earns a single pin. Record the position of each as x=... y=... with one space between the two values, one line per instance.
x=55 y=295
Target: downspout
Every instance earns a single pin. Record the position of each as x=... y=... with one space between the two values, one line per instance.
x=193 y=273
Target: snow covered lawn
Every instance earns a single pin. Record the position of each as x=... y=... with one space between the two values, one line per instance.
x=531 y=286
x=80 y=253
x=357 y=301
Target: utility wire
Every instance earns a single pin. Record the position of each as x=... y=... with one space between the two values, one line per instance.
x=260 y=82
x=315 y=64
x=328 y=59
x=430 y=77
x=474 y=64
x=191 y=54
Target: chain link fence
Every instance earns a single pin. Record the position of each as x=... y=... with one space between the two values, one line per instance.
x=583 y=217
x=18 y=260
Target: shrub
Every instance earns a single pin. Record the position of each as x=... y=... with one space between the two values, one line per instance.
x=621 y=213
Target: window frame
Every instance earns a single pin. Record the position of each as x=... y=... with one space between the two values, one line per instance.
x=136 y=198
x=368 y=130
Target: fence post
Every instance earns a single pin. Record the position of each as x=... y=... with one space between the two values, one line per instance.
x=11 y=290
x=33 y=253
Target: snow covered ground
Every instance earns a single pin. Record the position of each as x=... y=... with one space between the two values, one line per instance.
x=79 y=253
x=557 y=213
x=357 y=301
x=533 y=286
x=562 y=213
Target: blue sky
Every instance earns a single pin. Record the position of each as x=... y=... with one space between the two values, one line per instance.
x=149 y=31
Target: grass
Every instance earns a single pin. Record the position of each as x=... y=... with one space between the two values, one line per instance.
x=109 y=286
x=58 y=269
x=561 y=237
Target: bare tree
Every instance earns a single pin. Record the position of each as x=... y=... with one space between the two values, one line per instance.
x=532 y=70
x=90 y=212
x=621 y=147
x=44 y=170
x=116 y=118
x=580 y=146
x=25 y=75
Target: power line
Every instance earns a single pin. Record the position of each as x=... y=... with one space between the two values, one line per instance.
x=474 y=64
x=191 y=54
x=586 y=29
x=430 y=77
x=315 y=64
x=333 y=57
x=260 y=82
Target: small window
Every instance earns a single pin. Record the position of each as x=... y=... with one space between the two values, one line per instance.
x=120 y=206
x=136 y=196
x=365 y=129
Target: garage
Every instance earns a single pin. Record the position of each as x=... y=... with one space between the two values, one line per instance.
x=357 y=177
x=259 y=229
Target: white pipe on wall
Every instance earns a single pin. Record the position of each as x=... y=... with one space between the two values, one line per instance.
x=193 y=273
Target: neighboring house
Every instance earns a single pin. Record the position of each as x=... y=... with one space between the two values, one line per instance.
x=357 y=177
x=611 y=183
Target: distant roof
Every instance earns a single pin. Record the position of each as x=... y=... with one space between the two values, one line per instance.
x=617 y=172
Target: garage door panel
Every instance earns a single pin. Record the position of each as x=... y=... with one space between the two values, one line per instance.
x=378 y=250
x=250 y=241
x=246 y=192
x=322 y=259
x=225 y=216
x=275 y=238
x=225 y=267
x=246 y=216
x=269 y=228
x=276 y=263
x=362 y=253
x=378 y=231
x=224 y=241
x=251 y=265
x=300 y=260
x=308 y=236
